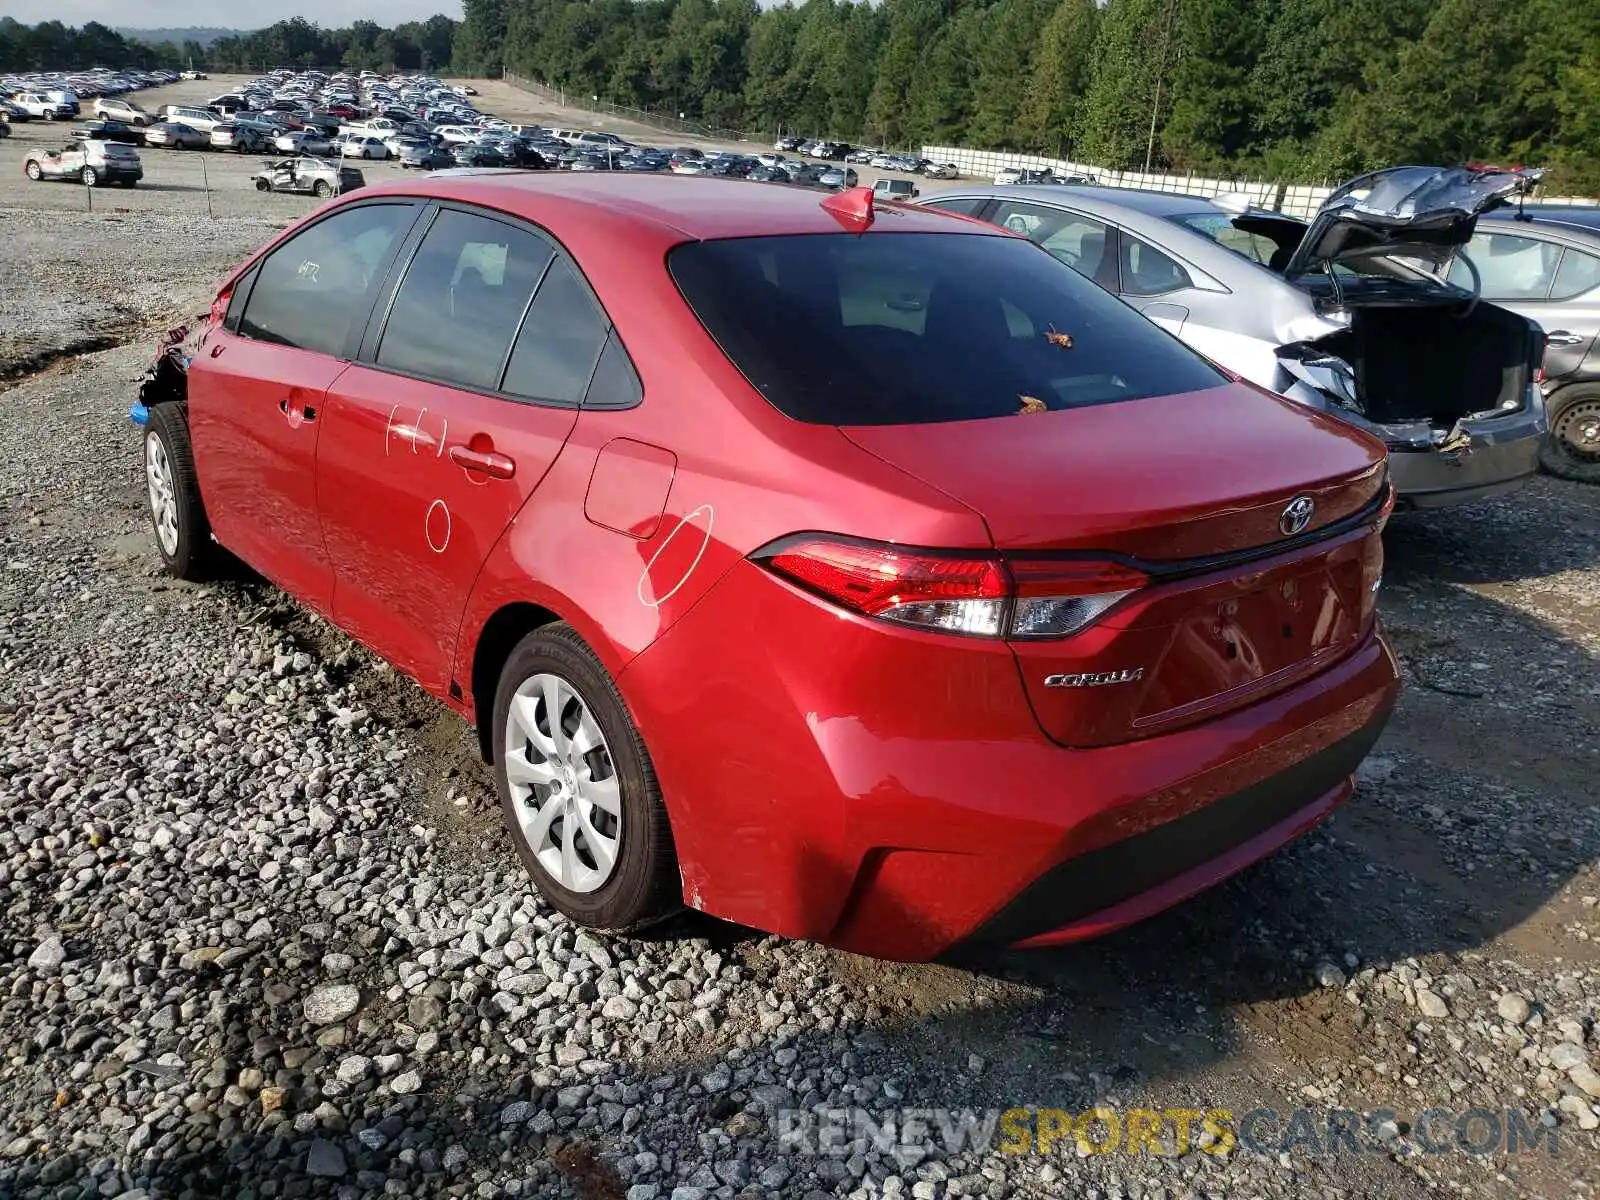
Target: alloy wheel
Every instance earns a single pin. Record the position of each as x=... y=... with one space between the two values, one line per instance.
x=563 y=782
x=163 y=492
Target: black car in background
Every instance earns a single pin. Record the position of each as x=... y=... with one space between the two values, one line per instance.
x=480 y=154
x=108 y=131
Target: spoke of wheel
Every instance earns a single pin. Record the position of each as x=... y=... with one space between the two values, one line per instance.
x=521 y=771
x=602 y=848
x=538 y=829
x=555 y=695
x=523 y=711
x=587 y=736
x=569 y=853
x=604 y=794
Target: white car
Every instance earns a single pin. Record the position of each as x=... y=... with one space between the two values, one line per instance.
x=456 y=134
x=302 y=141
x=377 y=127
x=1007 y=176
x=202 y=119
x=360 y=145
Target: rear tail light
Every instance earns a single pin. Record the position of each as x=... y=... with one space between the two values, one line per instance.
x=975 y=595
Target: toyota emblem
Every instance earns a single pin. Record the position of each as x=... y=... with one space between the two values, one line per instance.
x=1297 y=515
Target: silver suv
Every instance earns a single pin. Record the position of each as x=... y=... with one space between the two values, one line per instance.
x=90 y=162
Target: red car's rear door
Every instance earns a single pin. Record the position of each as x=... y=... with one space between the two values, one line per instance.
x=256 y=389
x=438 y=437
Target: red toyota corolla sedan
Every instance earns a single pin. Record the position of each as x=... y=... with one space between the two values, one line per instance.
x=857 y=574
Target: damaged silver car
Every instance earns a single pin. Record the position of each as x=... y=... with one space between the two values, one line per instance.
x=1354 y=313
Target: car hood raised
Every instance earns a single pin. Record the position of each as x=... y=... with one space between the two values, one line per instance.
x=1414 y=211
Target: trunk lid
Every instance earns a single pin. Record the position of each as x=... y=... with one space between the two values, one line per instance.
x=1417 y=212
x=1203 y=493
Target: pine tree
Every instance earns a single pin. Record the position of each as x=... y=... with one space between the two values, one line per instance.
x=1047 y=118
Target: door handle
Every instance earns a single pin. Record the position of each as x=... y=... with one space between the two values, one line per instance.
x=296 y=412
x=1561 y=337
x=489 y=462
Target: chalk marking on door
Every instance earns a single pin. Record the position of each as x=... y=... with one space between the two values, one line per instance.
x=437 y=546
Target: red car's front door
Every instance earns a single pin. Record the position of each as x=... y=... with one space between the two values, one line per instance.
x=256 y=389
x=254 y=415
x=432 y=444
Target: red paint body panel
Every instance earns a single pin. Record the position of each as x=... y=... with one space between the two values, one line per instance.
x=810 y=745
x=827 y=775
x=628 y=490
x=1152 y=478
x=258 y=477
x=407 y=529
x=1209 y=644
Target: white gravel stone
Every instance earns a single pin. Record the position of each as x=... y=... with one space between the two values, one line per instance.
x=332 y=1002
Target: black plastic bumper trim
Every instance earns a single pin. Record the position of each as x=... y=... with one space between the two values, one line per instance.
x=1091 y=882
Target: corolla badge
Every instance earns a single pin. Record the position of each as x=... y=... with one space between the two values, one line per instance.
x=1094 y=678
x=1296 y=516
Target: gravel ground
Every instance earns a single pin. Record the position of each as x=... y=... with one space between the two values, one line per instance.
x=260 y=934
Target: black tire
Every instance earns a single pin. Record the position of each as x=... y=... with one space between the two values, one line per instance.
x=322 y=190
x=1572 y=451
x=194 y=554
x=33 y=171
x=644 y=885
x=263 y=186
x=90 y=177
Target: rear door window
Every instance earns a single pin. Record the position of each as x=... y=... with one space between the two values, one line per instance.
x=464 y=291
x=1578 y=273
x=1510 y=267
x=1084 y=244
x=313 y=291
x=1147 y=271
x=560 y=341
x=896 y=328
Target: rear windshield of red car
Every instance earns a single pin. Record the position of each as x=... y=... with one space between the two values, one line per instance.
x=916 y=328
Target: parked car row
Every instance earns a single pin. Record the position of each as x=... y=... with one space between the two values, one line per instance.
x=1040 y=177
x=58 y=96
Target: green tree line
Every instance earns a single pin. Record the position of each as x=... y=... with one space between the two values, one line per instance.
x=1300 y=89
x=364 y=46
x=1288 y=88
x=52 y=46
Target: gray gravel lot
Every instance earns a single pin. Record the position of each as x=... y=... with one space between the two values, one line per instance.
x=260 y=934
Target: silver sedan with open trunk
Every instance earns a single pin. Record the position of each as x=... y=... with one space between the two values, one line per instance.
x=1353 y=313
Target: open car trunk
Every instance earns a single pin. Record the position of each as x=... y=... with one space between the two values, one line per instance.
x=1436 y=363
x=1419 y=357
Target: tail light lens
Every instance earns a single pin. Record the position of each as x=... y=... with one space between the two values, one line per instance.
x=974 y=595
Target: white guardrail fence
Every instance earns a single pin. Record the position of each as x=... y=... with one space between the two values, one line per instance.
x=1293 y=199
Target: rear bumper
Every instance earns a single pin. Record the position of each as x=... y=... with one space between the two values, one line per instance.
x=828 y=778
x=1502 y=455
x=1126 y=881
